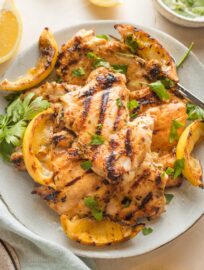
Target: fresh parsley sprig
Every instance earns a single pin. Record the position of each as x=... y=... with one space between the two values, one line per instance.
x=194 y=112
x=14 y=122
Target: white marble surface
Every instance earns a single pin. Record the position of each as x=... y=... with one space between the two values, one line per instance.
x=186 y=251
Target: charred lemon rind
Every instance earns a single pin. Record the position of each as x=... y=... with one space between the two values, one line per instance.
x=192 y=166
x=87 y=231
x=46 y=63
x=36 y=136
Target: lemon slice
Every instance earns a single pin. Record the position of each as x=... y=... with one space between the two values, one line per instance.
x=10 y=30
x=106 y=3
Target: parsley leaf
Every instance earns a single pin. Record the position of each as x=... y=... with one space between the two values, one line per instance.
x=169 y=171
x=178 y=167
x=92 y=204
x=160 y=90
x=173 y=136
x=106 y=37
x=131 y=43
x=185 y=56
x=91 y=55
x=168 y=197
x=120 y=68
x=98 y=61
x=119 y=102
x=168 y=83
x=147 y=230
x=13 y=124
x=59 y=80
x=132 y=104
x=194 y=112
x=78 y=72
x=97 y=140
x=86 y=165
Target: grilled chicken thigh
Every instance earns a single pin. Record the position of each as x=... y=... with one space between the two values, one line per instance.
x=123 y=166
x=108 y=53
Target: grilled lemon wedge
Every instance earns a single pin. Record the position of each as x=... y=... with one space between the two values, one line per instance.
x=36 y=148
x=99 y=233
x=10 y=30
x=49 y=53
x=189 y=138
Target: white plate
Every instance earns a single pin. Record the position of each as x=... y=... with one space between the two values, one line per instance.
x=185 y=209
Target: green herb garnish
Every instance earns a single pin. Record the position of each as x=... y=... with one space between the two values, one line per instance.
x=132 y=104
x=147 y=230
x=92 y=204
x=168 y=83
x=120 y=68
x=169 y=171
x=13 y=124
x=97 y=140
x=194 y=112
x=168 y=197
x=86 y=165
x=106 y=37
x=78 y=72
x=59 y=80
x=131 y=43
x=173 y=136
x=119 y=102
x=185 y=56
x=160 y=90
x=178 y=167
x=98 y=61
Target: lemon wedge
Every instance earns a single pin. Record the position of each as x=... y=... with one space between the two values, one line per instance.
x=106 y=3
x=10 y=30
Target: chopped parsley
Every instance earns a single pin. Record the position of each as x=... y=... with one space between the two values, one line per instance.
x=178 y=167
x=169 y=171
x=132 y=104
x=168 y=197
x=119 y=102
x=180 y=63
x=194 y=112
x=131 y=43
x=147 y=230
x=106 y=37
x=160 y=90
x=120 y=68
x=98 y=61
x=86 y=165
x=78 y=72
x=173 y=136
x=14 y=122
x=168 y=83
x=92 y=204
x=97 y=140
x=59 y=80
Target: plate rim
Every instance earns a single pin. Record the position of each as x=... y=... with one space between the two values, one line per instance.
x=84 y=253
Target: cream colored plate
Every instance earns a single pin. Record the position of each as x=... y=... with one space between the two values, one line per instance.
x=185 y=209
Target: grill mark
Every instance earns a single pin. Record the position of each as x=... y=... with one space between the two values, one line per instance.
x=104 y=102
x=87 y=103
x=88 y=93
x=110 y=161
x=106 y=81
x=117 y=119
x=52 y=196
x=73 y=181
x=146 y=199
x=128 y=146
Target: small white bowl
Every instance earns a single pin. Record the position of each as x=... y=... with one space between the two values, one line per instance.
x=177 y=18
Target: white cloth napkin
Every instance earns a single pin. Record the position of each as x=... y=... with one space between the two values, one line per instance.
x=34 y=252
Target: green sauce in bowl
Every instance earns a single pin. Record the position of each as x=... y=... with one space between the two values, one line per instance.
x=187 y=8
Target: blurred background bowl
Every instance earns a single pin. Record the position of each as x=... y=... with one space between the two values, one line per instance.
x=177 y=18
